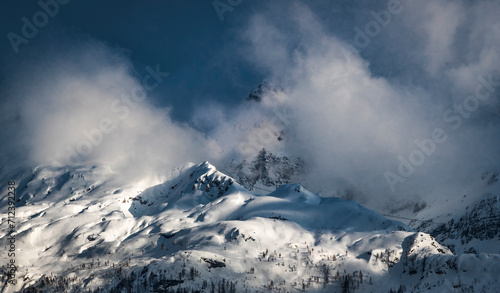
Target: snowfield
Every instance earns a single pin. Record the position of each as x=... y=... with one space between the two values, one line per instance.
x=80 y=230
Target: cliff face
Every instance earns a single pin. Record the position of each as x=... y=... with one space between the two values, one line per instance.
x=267 y=171
x=477 y=230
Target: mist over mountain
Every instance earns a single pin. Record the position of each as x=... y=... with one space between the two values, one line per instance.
x=81 y=100
x=325 y=123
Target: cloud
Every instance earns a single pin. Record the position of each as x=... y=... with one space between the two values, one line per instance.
x=85 y=105
x=352 y=125
x=440 y=22
x=345 y=117
x=350 y=112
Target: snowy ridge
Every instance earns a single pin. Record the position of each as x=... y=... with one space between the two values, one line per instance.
x=202 y=231
x=197 y=185
x=476 y=230
x=471 y=224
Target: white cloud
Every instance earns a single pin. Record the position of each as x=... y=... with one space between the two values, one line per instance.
x=440 y=21
x=87 y=107
x=351 y=125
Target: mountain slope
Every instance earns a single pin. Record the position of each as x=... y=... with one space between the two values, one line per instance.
x=477 y=229
x=80 y=229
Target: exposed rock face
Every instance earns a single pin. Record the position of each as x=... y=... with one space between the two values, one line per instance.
x=267 y=170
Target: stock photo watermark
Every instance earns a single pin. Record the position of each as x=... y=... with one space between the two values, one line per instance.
x=454 y=117
x=122 y=107
x=374 y=27
x=223 y=6
x=30 y=27
x=11 y=266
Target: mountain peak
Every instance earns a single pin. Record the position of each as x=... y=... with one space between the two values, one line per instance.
x=263 y=89
x=297 y=193
x=198 y=184
x=205 y=167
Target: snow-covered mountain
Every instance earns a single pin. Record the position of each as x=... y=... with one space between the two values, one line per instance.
x=475 y=230
x=81 y=229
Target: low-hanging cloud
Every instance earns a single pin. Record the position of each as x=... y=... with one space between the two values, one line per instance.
x=328 y=103
x=352 y=126
x=87 y=106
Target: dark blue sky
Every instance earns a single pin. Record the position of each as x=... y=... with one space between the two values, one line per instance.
x=187 y=39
